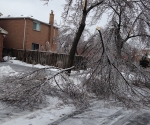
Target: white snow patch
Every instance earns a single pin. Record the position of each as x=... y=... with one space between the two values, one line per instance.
x=18 y=62
x=44 y=116
x=26 y=64
x=7 y=58
x=7 y=71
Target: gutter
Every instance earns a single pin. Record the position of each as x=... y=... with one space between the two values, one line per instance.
x=24 y=35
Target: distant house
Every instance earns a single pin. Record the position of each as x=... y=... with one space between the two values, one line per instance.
x=2 y=36
x=29 y=33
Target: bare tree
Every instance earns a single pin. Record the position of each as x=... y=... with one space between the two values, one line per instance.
x=86 y=44
x=110 y=74
x=76 y=13
x=66 y=34
x=65 y=39
x=130 y=21
x=128 y=18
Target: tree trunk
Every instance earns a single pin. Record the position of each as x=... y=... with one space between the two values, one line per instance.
x=119 y=43
x=119 y=47
x=74 y=46
x=79 y=32
x=75 y=42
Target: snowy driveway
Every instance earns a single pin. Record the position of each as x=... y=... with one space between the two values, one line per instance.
x=17 y=68
x=56 y=113
x=46 y=113
x=100 y=115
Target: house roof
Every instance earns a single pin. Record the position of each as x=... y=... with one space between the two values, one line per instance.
x=25 y=17
x=3 y=31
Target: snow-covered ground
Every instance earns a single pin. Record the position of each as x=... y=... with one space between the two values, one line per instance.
x=5 y=70
x=12 y=60
x=55 y=110
x=46 y=114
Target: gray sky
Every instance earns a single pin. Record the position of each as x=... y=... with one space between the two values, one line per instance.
x=35 y=8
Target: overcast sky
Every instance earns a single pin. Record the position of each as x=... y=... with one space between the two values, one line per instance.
x=35 y=8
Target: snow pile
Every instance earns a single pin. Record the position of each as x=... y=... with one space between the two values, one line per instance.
x=18 y=62
x=7 y=70
x=6 y=58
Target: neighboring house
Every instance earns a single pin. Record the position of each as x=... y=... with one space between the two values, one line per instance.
x=2 y=36
x=29 y=33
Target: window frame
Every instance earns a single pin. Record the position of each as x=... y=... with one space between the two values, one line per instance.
x=36 y=26
x=34 y=46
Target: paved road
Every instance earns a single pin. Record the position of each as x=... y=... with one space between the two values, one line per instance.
x=96 y=115
x=17 y=68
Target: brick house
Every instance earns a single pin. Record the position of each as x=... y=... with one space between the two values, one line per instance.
x=29 y=33
x=2 y=36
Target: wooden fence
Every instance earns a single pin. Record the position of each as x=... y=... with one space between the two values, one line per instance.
x=45 y=58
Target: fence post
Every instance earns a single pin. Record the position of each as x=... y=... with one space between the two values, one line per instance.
x=24 y=55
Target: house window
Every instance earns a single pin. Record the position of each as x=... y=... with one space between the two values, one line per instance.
x=36 y=26
x=35 y=46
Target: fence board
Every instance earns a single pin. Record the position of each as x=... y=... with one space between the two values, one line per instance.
x=44 y=58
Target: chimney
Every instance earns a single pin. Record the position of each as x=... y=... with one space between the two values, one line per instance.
x=51 y=22
x=51 y=18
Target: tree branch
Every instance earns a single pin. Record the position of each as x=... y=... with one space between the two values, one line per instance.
x=114 y=10
x=131 y=28
x=92 y=6
x=139 y=35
